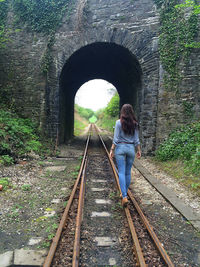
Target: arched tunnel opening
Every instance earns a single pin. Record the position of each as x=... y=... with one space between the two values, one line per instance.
x=107 y=61
x=91 y=101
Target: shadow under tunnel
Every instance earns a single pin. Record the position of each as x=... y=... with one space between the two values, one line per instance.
x=107 y=61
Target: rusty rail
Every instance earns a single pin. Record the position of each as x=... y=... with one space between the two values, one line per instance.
x=149 y=228
x=76 y=253
x=64 y=218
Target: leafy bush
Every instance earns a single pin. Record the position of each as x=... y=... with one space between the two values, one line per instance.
x=183 y=143
x=195 y=160
x=108 y=116
x=6 y=160
x=84 y=112
x=107 y=122
x=17 y=137
x=112 y=108
x=93 y=119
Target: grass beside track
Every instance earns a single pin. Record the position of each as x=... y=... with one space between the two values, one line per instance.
x=79 y=124
x=177 y=169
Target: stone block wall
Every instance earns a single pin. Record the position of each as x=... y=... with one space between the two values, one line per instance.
x=180 y=107
x=21 y=70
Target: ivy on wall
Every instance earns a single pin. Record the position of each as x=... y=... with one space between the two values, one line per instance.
x=3 y=16
x=47 y=57
x=187 y=108
x=3 y=11
x=5 y=92
x=177 y=34
x=41 y=15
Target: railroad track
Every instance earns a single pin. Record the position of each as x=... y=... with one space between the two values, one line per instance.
x=93 y=230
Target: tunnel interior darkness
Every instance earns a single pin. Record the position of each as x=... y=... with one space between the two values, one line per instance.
x=107 y=61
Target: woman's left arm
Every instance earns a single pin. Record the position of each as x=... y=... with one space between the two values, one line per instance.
x=115 y=138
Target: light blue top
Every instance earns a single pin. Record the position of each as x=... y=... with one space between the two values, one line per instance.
x=120 y=136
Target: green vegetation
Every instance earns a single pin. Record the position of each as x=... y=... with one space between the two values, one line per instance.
x=107 y=122
x=6 y=160
x=84 y=112
x=108 y=116
x=17 y=138
x=82 y=117
x=177 y=36
x=187 y=109
x=41 y=15
x=79 y=127
x=47 y=57
x=3 y=15
x=181 y=172
x=183 y=145
x=26 y=187
x=112 y=108
x=4 y=182
x=51 y=230
x=191 y=4
x=93 y=119
x=105 y=118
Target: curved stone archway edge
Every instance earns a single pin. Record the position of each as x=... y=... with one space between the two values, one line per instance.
x=130 y=65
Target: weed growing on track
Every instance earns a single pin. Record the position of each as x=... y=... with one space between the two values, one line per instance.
x=5 y=183
x=26 y=187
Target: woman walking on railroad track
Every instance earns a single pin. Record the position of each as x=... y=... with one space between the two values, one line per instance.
x=125 y=141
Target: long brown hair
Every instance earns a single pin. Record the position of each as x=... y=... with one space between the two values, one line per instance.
x=128 y=120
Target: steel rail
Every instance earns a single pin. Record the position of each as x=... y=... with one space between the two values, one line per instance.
x=136 y=247
x=76 y=252
x=64 y=218
x=149 y=228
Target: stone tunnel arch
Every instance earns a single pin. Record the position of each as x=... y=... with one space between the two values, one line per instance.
x=100 y=60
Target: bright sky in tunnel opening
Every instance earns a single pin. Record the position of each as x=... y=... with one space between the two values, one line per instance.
x=95 y=94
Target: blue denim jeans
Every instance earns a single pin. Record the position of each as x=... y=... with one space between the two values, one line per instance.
x=124 y=155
